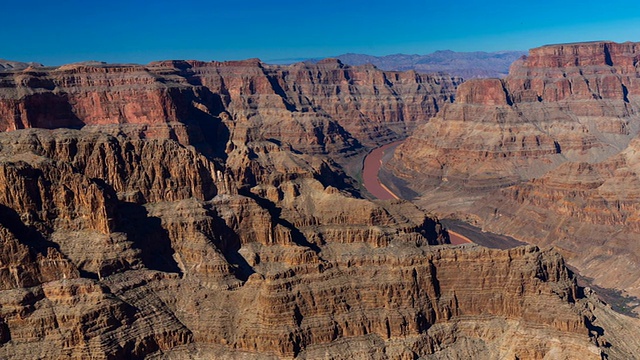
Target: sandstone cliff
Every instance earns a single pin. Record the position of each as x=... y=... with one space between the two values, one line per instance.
x=546 y=155
x=200 y=212
x=562 y=103
x=324 y=107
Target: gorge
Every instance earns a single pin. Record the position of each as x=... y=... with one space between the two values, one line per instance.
x=544 y=155
x=188 y=209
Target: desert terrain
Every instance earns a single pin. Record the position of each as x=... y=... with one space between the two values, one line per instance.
x=190 y=209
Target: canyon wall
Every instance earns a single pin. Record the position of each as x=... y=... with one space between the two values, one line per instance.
x=547 y=155
x=186 y=209
x=326 y=107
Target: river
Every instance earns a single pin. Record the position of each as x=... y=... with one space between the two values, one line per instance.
x=372 y=165
x=463 y=232
x=371 y=181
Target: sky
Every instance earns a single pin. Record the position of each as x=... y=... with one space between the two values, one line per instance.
x=57 y=32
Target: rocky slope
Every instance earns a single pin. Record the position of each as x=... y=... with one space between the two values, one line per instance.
x=327 y=107
x=546 y=155
x=193 y=215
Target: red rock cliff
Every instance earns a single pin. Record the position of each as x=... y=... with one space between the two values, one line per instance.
x=323 y=106
x=199 y=212
x=560 y=140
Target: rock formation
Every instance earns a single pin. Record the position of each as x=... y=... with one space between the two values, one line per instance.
x=326 y=107
x=546 y=155
x=188 y=210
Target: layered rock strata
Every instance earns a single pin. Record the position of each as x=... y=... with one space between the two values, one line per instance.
x=312 y=279
x=90 y=219
x=324 y=107
x=184 y=221
x=546 y=155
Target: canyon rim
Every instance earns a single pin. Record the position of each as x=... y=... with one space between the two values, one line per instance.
x=189 y=209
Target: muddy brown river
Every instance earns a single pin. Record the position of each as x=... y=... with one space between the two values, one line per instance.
x=372 y=165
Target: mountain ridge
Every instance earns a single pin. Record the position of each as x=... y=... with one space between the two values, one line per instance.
x=475 y=64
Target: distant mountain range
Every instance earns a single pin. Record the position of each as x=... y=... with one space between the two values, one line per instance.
x=467 y=65
x=16 y=65
x=478 y=64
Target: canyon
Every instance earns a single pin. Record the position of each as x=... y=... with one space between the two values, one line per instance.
x=188 y=209
x=546 y=155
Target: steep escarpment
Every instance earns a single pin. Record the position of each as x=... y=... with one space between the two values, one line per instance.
x=576 y=203
x=188 y=210
x=354 y=305
x=91 y=219
x=562 y=103
x=546 y=154
x=230 y=111
x=228 y=275
x=326 y=107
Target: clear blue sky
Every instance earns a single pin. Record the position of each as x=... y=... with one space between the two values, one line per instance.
x=57 y=32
